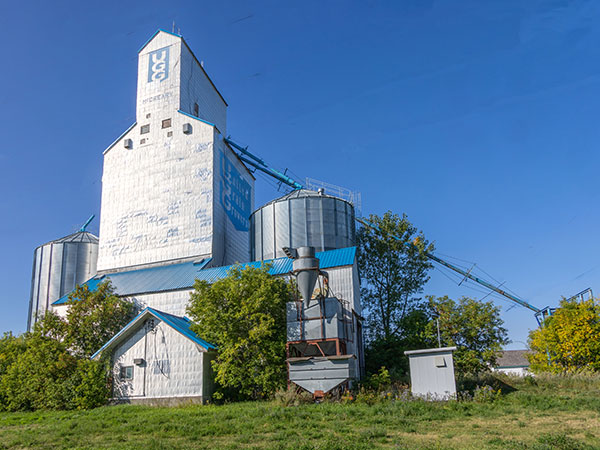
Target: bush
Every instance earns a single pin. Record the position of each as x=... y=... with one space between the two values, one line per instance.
x=49 y=367
x=244 y=315
x=46 y=376
x=292 y=397
x=486 y=394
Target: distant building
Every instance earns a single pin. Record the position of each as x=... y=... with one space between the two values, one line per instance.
x=513 y=362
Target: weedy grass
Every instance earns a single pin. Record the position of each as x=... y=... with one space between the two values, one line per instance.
x=542 y=413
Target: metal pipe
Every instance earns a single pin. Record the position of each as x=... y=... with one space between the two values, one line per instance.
x=261 y=165
x=463 y=273
x=87 y=223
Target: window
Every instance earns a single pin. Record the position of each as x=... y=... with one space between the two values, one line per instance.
x=148 y=116
x=145 y=129
x=169 y=134
x=196 y=110
x=143 y=141
x=126 y=373
x=166 y=123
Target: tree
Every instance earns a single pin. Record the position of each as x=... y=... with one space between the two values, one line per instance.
x=568 y=340
x=389 y=353
x=49 y=368
x=244 y=315
x=44 y=375
x=475 y=327
x=393 y=271
x=92 y=319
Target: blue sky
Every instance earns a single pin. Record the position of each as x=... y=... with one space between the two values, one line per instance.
x=479 y=120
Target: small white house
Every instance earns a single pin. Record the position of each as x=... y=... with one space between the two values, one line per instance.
x=157 y=359
x=432 y=373
x=513 y=362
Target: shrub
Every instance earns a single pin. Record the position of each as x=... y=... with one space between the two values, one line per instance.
x=486 y=394
x=292 y=397
x=244 y=315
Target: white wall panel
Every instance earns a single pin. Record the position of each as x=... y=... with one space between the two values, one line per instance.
x=173 y=365
x=162 y=199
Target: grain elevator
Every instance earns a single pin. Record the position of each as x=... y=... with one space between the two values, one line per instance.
x=178 y=206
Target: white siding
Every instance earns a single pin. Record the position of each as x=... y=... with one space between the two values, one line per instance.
x=160 y=199
x=173 y=367
x=197 y=88
x=174 y=302
x=343 y=282
x=156 y=97
x=432 y=374
x=231 y=245
x=157 y=197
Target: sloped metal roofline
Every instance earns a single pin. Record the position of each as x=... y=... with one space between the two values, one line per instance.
x=179 y=324
x=182 y=276
x=119 y=138
x=196 y=59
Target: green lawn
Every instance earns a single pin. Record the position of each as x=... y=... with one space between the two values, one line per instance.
x=557 y=413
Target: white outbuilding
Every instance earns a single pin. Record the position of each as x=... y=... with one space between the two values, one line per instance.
x=432 y=373
x=157 y=359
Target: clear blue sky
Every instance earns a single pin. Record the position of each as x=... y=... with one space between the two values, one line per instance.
x=479 y=120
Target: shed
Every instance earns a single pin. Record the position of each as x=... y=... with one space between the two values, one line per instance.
x=432 y=373
x=157 y=359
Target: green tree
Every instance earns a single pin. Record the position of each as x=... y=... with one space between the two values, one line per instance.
x=475 y=327
x=568 y=340
x=394 y=268
x=10 y=349
x=93 y=317
x=389 y=352
x=49 y=368
x=244 y=315
x=44 y=375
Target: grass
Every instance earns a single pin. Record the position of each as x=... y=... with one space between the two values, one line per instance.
x=549 y=413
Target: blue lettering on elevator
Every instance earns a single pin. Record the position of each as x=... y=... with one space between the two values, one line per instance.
x=158 y=65
x=235 y=195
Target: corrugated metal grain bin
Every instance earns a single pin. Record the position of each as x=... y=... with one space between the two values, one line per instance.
x=58 y=266
x=303 y=218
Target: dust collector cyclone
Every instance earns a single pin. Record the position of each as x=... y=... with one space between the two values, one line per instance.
x=306 y=269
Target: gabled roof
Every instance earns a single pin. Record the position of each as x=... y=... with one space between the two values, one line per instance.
x=176 y=277
x=192 y=53
x=179 y=324
x=512 y=359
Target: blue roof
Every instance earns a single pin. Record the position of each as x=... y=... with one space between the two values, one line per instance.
x=182 y=276
x=179 y=324
x=328 y=259
x=172 y=277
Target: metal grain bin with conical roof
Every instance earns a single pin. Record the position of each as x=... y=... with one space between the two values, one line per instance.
x=302 y=218
x=58 y=266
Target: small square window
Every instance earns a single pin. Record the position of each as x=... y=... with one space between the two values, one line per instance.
x=148 y=116
x=145 y=129
x=126 y=373
x=143 y=141
x=169 y=134
x=166 y=123
x=196 y=109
